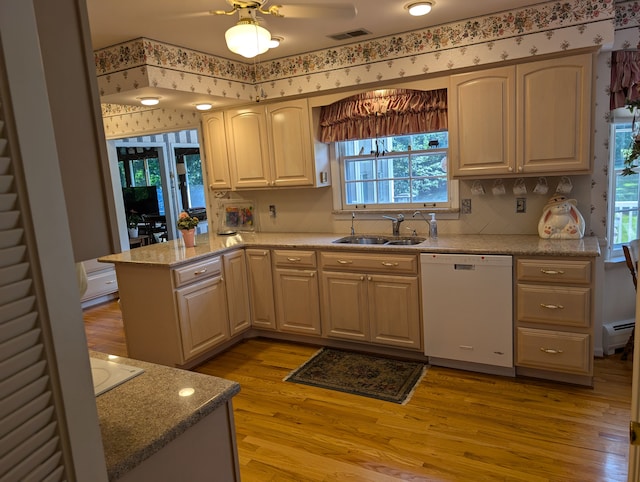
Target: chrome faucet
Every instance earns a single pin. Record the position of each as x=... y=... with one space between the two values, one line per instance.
x=421 y=214
x=396 y=223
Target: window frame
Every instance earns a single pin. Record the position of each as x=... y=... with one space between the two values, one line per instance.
x=620 y=116
x=340 y=205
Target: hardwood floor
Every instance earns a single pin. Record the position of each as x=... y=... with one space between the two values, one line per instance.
x=458 y=426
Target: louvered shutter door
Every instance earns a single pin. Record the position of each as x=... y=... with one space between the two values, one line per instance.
x=29 y=439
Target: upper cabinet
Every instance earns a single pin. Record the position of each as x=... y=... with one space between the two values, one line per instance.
x=529 y=119
x=264 y=146
x=215 y=151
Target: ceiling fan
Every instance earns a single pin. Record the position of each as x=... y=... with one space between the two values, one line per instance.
x=249 y=39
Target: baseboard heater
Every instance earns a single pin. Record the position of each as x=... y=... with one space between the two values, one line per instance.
x=615 y=334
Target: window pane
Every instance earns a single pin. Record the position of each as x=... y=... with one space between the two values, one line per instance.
x=360 y=170
x=429 y=165
x=625 y=227
x=622 y=144
x=138 y=177
x=430 y=190
x=390 y=167
x=360 y=193
x=194 y=180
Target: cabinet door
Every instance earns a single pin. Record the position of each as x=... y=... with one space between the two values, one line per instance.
x=554 y=115
x=235 y=276
x=263 y=313
x=297 y=301
x=215 y=151
x=481 y=123
x=248 y=147
x=202 y=310
x=345 y=311
x=394 y=304
x=291 y=145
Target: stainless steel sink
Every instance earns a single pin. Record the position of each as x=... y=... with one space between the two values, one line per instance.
x=379 y=240
x=362 y=240
x=407 y=241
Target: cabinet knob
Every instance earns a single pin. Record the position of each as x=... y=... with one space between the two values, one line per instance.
x=510 y=169
x=520 y=169
x=369 y=278
x=361 y=278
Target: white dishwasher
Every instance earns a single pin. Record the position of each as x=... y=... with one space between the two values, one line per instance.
x=467 y=311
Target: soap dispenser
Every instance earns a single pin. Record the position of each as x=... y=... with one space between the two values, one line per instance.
x=433 y=226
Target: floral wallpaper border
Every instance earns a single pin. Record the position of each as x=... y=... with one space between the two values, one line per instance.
x=131 y=64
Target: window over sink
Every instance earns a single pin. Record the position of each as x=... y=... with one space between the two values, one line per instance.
x=396 y=172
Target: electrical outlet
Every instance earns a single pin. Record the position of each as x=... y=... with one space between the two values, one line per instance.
x=465 y=206
x=521 y=205
x=272 y=210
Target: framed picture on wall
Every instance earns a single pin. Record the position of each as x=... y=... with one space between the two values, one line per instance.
x=237 y=216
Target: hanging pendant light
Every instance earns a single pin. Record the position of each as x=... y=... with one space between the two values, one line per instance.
x=247 y=38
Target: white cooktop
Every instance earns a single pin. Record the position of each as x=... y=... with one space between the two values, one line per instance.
x=107 y=374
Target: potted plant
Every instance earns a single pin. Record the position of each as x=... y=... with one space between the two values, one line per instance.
x=631 y=165
x=132 y=224
x=187 y=226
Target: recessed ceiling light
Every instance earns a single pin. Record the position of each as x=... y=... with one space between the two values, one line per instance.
x=204 y=106
x=419 y=8
x=149 y=100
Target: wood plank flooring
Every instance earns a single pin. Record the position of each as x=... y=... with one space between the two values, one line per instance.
x=458 y=426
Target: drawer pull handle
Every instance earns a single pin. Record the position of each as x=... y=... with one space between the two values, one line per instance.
x=551 y=271
x=345 y=261
x=200 y=271
x=552 y=307
x=386 y=263
x=551 y=351
x=110 y=282
x=294 y=260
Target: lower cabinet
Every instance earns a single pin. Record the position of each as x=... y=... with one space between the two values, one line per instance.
x=296 y=292
x=377 y=300
x=176 y=316
x=203 y=317
x=554 y=318
x=263 y=311
x=102 y=283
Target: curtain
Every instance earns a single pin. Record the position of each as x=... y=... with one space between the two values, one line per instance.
x=384 y=113
x=625 y=77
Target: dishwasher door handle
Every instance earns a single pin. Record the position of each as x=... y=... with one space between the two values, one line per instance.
x=468 y=267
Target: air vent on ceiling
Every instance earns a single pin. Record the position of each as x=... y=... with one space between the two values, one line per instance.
x=347 y=35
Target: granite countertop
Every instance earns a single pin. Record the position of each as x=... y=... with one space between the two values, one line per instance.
x=173 y=253
x=144 y=414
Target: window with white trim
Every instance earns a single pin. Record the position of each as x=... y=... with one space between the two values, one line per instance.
x=396 y=172
x=624 y=189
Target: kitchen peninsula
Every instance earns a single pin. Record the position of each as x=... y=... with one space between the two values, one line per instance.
x=166 y=415
x=183 y=305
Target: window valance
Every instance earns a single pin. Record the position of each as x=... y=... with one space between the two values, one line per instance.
x=625 y=77
x=380 y=113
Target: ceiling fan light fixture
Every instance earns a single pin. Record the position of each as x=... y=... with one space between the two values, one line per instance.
x=275 y=42
x=204 y=106
x=149 y=100
x=419 y=8
x=247 y=38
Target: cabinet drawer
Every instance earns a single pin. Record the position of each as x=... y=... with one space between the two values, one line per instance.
x=385 y=263
x=569 y=306
x=197 y=271
x=554 y=271
x=294 y=258
x=554 y=350
x=101 y=284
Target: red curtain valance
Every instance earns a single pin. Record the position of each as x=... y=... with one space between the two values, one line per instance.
x=384 y=113
x=625 y=77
